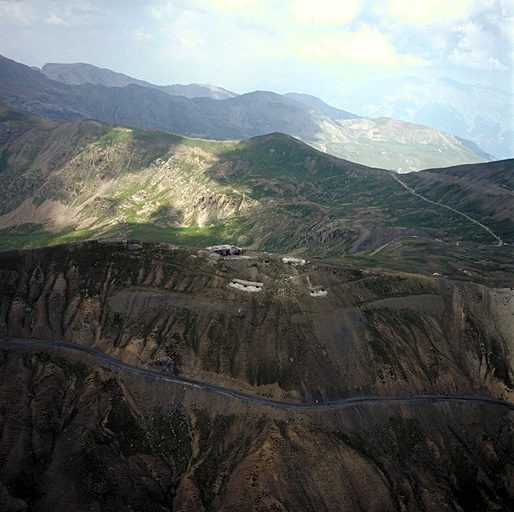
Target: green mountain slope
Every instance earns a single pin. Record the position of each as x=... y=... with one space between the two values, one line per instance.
x=483 y=192
x=87 y=179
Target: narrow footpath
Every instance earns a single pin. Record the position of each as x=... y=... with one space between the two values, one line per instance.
x=413 y=192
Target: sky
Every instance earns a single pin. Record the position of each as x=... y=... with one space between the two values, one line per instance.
x=320 y=47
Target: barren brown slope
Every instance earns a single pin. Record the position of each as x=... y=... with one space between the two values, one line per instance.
x=373 y=333
x=84 y=435
x=80 y=433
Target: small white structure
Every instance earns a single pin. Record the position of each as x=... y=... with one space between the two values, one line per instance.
x=246 y=286
x=294 y=261
x=319 y=293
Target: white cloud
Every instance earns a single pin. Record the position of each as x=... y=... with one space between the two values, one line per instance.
x=427 y=11
x=475 y=49
x=471 y=34
x=500 y=18
x=17 y=13
x=265 y=51
x=325 y=11
x=182 y=38
x=476 y=59
x=34 y=13
x=52 y=19
x=379 y=9
x=415 y=61
x=189 y=38
x=235 y=4
x=154 y=13
x=141 y=35
x=364 y=46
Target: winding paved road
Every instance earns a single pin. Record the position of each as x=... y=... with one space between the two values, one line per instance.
x=335 y=404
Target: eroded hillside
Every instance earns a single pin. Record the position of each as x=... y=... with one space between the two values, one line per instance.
x=81 y=433
x=313 y=331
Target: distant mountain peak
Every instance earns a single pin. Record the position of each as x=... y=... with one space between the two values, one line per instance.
x=318 y=104
x=80 y=73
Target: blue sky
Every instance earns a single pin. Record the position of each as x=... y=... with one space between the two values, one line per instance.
x=320 y=47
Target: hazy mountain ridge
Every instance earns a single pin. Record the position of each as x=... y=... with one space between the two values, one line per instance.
x=79 y=73
x=474 y=112
x=312 y=101
x=234 y=118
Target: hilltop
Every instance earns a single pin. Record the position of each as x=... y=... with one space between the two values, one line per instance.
x=148 y=302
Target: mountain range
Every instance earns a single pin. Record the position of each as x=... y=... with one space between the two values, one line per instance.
x=77 y=74
x=484 y=115
x=381 y=142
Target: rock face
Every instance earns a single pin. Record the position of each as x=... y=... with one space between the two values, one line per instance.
x=80 y=434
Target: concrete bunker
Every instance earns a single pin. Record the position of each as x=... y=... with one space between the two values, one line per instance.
x=294 y=261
